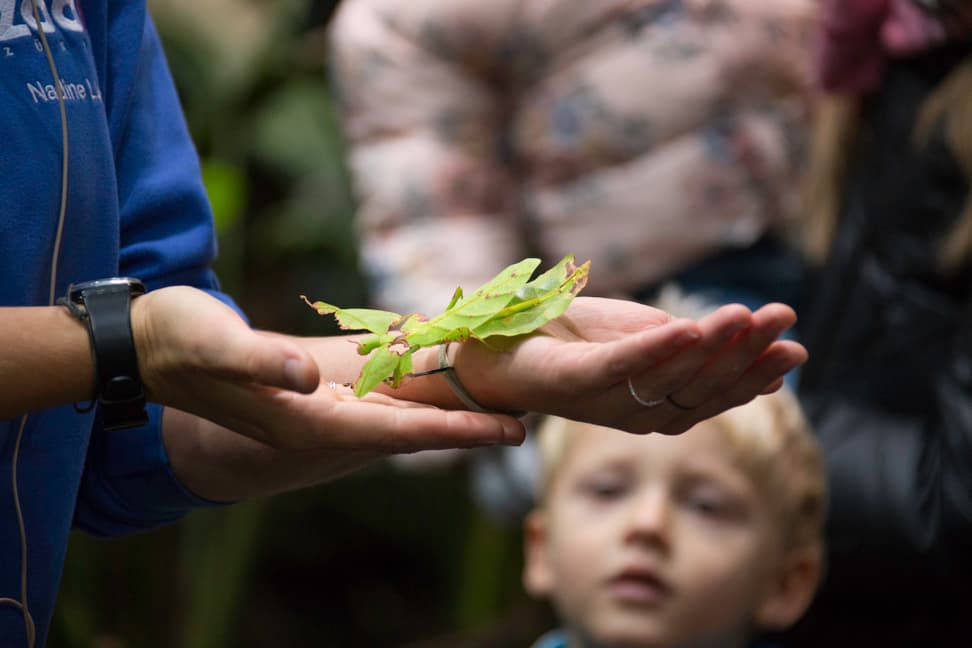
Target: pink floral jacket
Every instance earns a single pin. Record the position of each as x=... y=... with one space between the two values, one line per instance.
x=640 y=134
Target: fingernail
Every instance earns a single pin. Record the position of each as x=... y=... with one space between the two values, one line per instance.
x=513 y=434
x=294 y=375
x=686 y=338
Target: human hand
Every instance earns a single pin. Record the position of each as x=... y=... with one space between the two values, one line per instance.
x=580 y=367
x=198 y=356
x=278 y=426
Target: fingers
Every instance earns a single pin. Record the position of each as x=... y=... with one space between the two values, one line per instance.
x=737 y=358
x=731 y=358
x=608 y=364
x=337 y=420
x=299 y=371
x=182 y=333
x=247 y=356
x=382 y=423
x=717 y=330
x=238 y=353
x=763 y=377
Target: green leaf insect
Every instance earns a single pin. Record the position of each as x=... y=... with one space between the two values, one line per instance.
x=508 y=305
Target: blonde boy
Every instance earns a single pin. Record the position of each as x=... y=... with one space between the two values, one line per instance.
x=698 y=540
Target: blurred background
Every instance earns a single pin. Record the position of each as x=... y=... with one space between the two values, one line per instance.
x=397 y=558
x=380 y=558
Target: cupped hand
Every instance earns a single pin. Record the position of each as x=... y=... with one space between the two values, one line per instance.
x=580 y=366
x=197 y=355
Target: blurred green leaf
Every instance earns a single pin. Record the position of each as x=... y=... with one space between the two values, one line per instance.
x=227 y=189
x=294 y=130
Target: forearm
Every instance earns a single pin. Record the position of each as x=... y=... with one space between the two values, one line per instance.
x=46 y=360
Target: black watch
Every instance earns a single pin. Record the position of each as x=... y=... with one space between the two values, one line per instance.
x=104 y=307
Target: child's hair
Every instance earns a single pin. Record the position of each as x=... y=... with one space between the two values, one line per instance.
x=771 y=441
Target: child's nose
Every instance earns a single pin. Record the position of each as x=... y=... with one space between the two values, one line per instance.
x=650 y=517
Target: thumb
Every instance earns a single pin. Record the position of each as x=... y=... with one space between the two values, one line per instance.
x=180 y=329
x=273 y=360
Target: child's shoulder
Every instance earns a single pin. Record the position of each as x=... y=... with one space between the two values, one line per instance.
x=558 y=639
x=553 y=639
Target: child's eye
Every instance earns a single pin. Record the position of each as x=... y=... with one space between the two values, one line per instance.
x=713 y=504
x=708 y=505
x=604 y=490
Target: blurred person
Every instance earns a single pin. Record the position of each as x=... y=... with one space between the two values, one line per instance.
x=663 y=140
x=177 y=402
x=702 y=539
x=647 y=136
x=889 y=383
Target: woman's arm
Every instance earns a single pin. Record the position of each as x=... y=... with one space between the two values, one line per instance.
x=46 y=360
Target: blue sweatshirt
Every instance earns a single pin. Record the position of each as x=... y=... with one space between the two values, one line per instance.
x=135 y=207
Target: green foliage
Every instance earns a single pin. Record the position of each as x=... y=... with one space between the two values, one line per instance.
x=254 y=85
x=508 y=305
x=226 y=187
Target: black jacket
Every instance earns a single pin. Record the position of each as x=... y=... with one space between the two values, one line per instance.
x=889 y=386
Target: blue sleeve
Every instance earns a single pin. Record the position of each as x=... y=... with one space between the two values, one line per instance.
x=128 y=484
x=167 y=238
x=167 y=231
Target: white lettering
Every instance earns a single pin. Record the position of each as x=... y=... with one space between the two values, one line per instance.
x=66 y=15
x=73 y=91
x=27 y=13
x=8 y=30
x=42 y=92
x=37 y=92
x=93 y=90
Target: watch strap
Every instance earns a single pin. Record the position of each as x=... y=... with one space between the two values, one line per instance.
x=103 y=306
x=119 y=386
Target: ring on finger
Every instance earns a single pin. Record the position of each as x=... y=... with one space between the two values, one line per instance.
x=642 y=401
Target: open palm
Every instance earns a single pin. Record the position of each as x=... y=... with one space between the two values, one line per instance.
x=580 y=367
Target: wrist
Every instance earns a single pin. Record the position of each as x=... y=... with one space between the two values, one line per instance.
x=144 y=348
x=46 y=359
x=104 y=307
x=468 y=372
x=473 y=377
x=68 y=371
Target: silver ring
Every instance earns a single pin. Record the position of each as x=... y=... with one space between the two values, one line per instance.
x=640 y=400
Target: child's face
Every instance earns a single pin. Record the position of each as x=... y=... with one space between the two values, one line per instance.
x=654 y=541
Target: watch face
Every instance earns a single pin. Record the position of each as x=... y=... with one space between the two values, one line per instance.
x=129 y=284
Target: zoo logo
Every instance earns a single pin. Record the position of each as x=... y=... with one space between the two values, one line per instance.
x=20 y=23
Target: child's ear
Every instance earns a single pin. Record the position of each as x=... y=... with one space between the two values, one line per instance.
x=793 y=590
x=537 y=577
